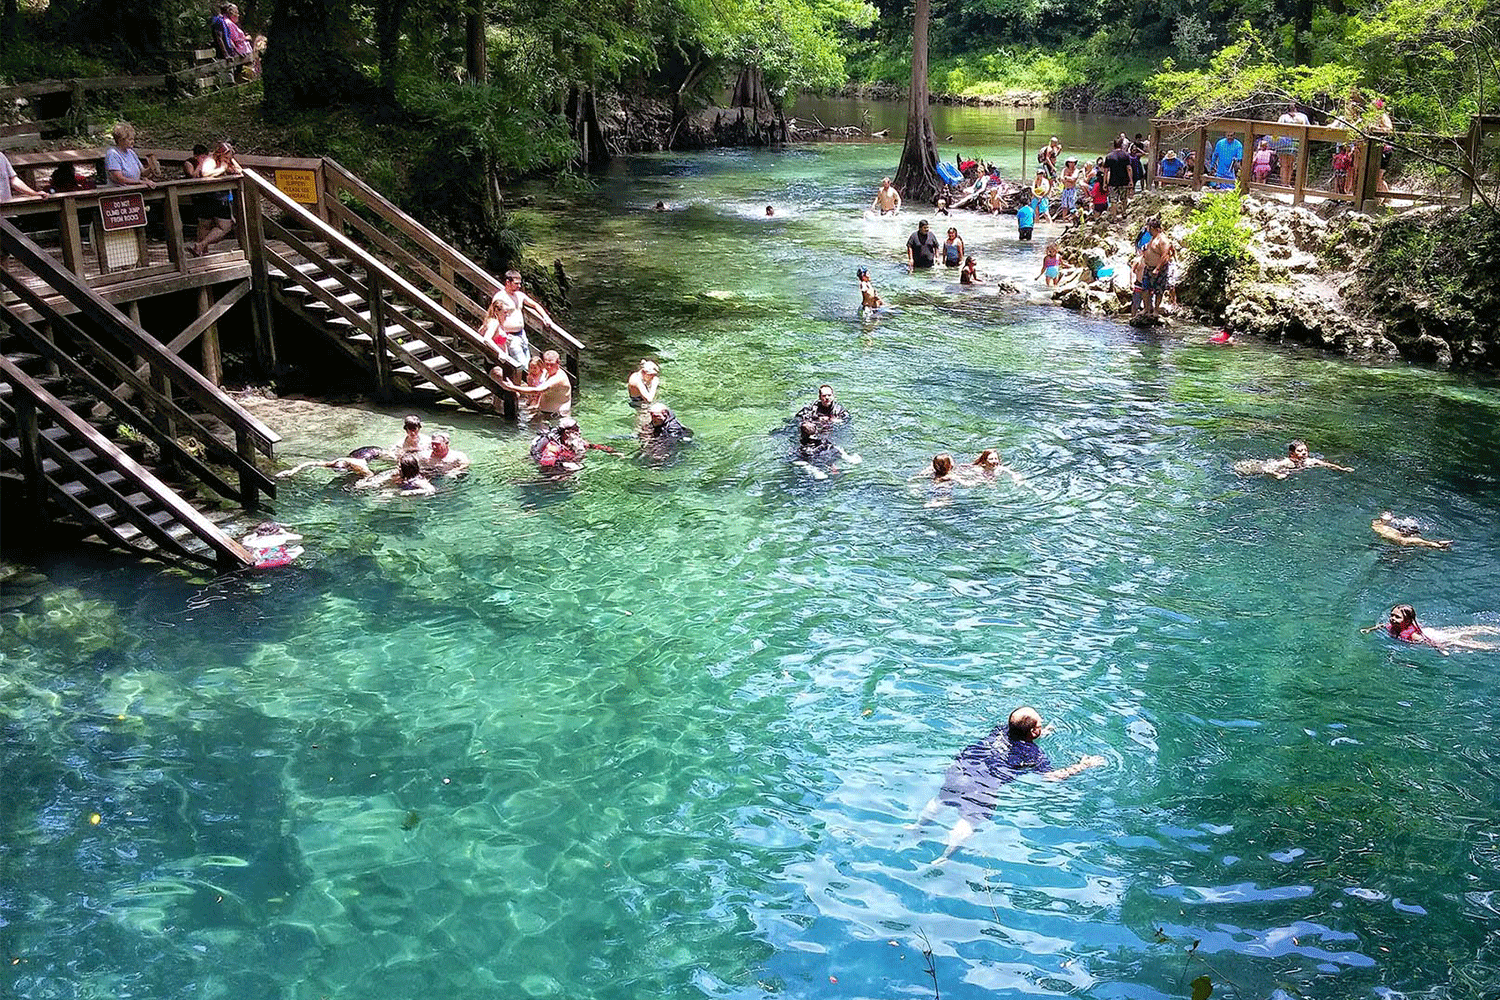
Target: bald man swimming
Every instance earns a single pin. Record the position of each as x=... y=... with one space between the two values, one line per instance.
x=973 y=782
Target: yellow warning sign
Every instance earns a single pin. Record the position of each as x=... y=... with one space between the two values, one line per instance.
x=300 y=185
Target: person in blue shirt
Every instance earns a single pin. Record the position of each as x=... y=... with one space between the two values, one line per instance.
x=1225 y=161
x=1170 y=165
x=1025 y=220
x=121 y=164
x=1043 y=209
x=973 y=782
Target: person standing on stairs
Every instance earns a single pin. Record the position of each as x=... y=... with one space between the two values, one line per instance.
x=504 y=326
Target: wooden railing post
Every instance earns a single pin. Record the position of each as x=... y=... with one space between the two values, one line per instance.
x=446 y=270
x=245 y=448
x=1472 y=146
x=31 y=454
x=254 y=242
x=173 y=217
x=1247 y=161
x=1300 y=186
x=1201 y=163
x=1369 y=173
x=213 y=358
x=1151 y=178
x=377 y=335
x=72 y=237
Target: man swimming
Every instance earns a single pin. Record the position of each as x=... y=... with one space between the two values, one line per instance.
x=1404 y=531
x=503 y=330
x=887 y=199
x=553 y=395
x=1297 y=459
x=816 y=455
x=406 y=480
x=442 y=460
x=973 y=782
x=868 y=298
x=825 y=410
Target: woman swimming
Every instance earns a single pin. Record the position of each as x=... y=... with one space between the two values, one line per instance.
x=986 y=468
x=1402 y=624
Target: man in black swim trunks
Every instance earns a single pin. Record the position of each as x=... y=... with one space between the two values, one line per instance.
x=826 y=410
x=973 y=782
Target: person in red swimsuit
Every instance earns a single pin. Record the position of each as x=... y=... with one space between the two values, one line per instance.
x=1402 y=624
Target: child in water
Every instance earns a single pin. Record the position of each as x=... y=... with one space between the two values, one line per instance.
x=1402 y=624
x=867 y=295
x=1051 y=265
x=1404 y=531
x=969 y=275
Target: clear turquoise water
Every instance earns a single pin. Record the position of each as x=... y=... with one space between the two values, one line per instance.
x=662 y=727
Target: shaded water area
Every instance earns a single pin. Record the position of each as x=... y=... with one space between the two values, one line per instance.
x=657 y=731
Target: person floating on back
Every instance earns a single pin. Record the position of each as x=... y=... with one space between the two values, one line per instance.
x=973 y=782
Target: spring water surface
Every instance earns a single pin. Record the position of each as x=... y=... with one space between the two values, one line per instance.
x=658 y=731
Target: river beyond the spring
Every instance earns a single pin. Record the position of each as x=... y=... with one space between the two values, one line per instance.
x=658 y=731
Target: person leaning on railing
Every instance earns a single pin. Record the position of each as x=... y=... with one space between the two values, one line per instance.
x=121 y=164
x=216 y=210
x=11 y=185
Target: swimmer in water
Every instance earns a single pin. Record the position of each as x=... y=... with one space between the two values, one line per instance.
x=970 y=273
x=272 y=544
x=443 y=460
x=1297 y=459
x=1404 y=531
x=644 y=383
x=867 y=295
x=405 y=480
x=352 y=465
x=887 y=199
x=826 y=410
x=942 y=468
x=770 y=211
x=412 y=441
x=973 y=782
x=563 y=448
x=816 y=455
x=986 y=468
x=662 y=424
x=1402 y=624
x=661 y=206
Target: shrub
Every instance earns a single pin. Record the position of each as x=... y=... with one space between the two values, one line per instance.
x=1219 y=240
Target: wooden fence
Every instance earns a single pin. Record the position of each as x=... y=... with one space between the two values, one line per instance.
x=1364 y=181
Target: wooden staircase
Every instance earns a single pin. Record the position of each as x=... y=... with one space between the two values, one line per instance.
x=398 y=301
x=85 y=394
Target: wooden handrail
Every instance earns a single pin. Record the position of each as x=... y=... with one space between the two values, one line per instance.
x=92 y=304
x=68 y=363
x=477 y=276
x=388 y=278
x=202 y=527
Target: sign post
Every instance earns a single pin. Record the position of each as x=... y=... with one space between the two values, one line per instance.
x=1024 y=126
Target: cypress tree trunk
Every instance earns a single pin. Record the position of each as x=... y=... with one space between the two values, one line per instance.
x=476 y=55
x=750 y=90
x=916 y=176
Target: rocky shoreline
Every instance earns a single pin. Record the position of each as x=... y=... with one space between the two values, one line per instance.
x=1314 y=277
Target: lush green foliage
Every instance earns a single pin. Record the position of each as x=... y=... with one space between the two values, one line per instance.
x=1025 y=67
x=1219 y=239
